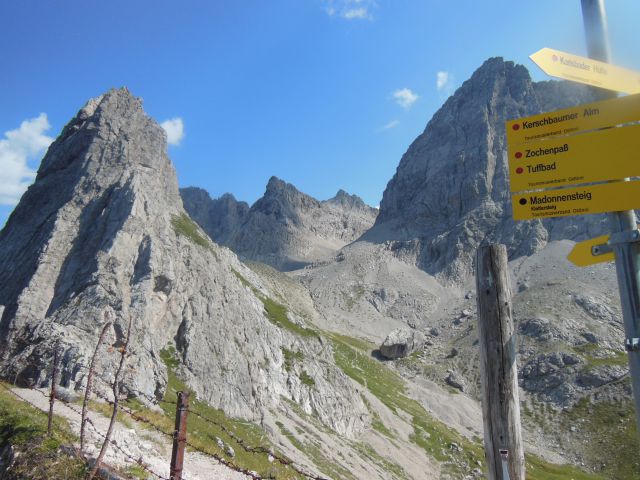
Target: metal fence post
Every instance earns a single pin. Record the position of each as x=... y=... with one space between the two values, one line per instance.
x=624 y=235
x=179 y=436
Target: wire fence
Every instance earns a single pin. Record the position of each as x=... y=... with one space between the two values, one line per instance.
x=139 y=417
x=74 y=408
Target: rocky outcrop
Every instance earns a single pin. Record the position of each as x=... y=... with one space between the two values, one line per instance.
x=286 y=228
x=402 y=342
x=455 y=380
x=103 y=231
x=450 y=192
x=219 y=217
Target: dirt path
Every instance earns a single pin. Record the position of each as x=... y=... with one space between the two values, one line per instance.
x=153 y=448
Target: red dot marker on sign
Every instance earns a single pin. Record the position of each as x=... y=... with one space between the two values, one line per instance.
x=554 y=58
x=519 y=170
x=516 y=126
x=518 y=154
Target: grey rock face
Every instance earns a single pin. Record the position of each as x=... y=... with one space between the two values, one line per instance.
x=455 y=380
x=450 y=192
x=542 y=330
x=103 y=229
x=598 y=309
x=402 y=342
x=286 y=228
x=219 y=217
x=548 y=374
x=600 y=376
x=563 y=377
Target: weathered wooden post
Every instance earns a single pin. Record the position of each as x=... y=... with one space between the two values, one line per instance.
x=179 y=436
x=54 y=381
x=499 y=373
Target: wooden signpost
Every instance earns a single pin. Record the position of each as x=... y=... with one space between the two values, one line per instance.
x=504 y=450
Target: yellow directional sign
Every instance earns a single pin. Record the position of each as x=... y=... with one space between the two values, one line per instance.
x=582 y=254
x=586 y=70
x=609 y=154
x=604 y=197
x=581 y=118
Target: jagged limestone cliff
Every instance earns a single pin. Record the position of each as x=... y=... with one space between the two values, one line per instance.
x=285 y=228
x=450 y=192
x=219 y=217
x=103 y=229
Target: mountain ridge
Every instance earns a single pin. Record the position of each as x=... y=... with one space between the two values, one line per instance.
x=450 y=192
x=103 y=231
x=284 y=228
x=113 y=239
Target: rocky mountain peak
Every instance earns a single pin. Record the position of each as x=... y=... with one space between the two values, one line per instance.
x=103 y=231
x=450 y=192
x=115 y=114
x=218 y=217
x=276 y=185
x=284 y=201
x=285 y=228
x=346 y=200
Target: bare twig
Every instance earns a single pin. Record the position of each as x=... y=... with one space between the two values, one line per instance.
x=87 y=392
x=123 y=356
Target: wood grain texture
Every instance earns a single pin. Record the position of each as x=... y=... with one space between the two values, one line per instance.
x=499 y=373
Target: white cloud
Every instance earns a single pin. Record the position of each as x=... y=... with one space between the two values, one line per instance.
x=350 y=9
x=390 y=125
x=405 y=98
x=360 y=13
x=174 y=127
x=444 y=82
x=20 y=145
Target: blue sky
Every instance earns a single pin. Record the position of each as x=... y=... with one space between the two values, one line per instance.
x=325 y=94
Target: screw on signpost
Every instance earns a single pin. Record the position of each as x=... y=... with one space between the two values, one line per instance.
x=54 y=380
x=179 y=436
x=623 y=224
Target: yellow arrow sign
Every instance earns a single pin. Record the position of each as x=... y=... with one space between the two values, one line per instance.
x=604 y=197
x=582 y=254
x=609 y=154
x=586 y=70
x=581 y=118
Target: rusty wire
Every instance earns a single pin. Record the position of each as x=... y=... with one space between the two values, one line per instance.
x=241 y=442
x=221 y=460
x=70 y=406
x=259 y=449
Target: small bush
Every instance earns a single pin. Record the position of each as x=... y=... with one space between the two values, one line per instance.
x=183 y=225
x=306 y=379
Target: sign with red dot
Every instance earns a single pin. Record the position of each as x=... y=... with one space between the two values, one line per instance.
x=602 y=155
